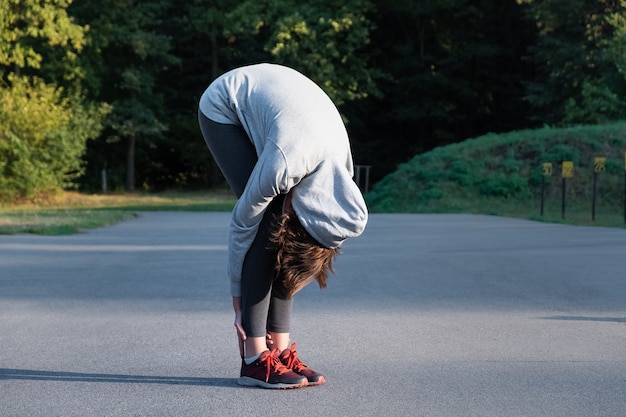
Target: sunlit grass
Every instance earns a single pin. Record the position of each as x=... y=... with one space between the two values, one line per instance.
x=222 y=200
x=59 y=221
x=70 y=213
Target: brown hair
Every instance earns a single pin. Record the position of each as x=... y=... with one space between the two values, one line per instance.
x=299 y=257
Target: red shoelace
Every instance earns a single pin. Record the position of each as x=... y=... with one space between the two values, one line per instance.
x=292 y=360
x=273 y=364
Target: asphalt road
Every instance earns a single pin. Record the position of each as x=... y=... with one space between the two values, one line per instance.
x=427 y=315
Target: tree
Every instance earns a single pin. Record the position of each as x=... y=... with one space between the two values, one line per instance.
x=456 y=72
x=602 y=97
x=128 y=52
x=616 y=54
x=573 y=75
x=184 y=160
x=327 y=41
x=43 y=127
x=407 y=75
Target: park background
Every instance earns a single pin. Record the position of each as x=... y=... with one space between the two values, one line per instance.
x=454 y=104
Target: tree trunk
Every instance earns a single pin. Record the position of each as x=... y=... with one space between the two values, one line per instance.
x=130 y=164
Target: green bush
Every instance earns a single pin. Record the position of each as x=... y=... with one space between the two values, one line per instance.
x=42 y=138
x=560 y=153
x=501 y=185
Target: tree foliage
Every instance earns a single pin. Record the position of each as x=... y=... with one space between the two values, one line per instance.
x=603 y=96
x=575 y=76
x=407 y=75
x=43 y=127
x=325 y=40
x=455 y=71
x=30 y=28
x=132 y=51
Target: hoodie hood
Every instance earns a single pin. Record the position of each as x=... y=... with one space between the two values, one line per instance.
x=330 y=205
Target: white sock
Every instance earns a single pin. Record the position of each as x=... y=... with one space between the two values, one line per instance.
x=251 y=359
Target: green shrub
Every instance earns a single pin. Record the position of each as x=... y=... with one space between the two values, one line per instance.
x=559 y=153
x=431 y=194
x=42 y=138
x=460 y=172
x=501 y=185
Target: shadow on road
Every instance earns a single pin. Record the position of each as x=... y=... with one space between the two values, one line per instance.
x=584 y=318
x=33 y=375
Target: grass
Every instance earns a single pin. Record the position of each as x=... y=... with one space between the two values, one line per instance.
x=575 y=214
x=59 y=221
x=70 y=212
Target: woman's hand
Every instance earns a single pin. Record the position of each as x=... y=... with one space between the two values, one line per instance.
x=241 y=333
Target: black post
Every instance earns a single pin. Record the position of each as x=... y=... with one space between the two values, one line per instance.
x=593 y=197
x=563 y=199
x=543 y=185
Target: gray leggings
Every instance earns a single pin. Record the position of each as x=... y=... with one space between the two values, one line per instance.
x=265 y=306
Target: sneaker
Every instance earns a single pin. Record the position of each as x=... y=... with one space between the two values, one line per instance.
x=290 y=359
x=269 y=372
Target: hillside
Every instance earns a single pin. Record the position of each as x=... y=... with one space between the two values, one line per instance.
x=502 y=173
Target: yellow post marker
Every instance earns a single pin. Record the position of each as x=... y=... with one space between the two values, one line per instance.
x=567 y=169
x=599 y=164
x=547 y=169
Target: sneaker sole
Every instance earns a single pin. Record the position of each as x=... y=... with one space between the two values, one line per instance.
x=320 y=381
x=246 y=381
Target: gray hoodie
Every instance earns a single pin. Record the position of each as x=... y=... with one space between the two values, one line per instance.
x=302 y=146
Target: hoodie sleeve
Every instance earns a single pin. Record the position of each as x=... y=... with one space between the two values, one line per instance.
x=268 y=179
